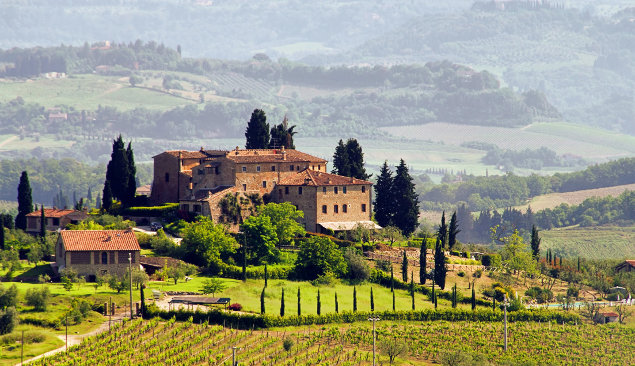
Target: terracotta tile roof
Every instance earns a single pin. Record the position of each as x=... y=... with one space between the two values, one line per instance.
x=89 y=240
x=631 y=262
x=271 y=156
x=185 y=154
x=308 y=177
x=53 y=212
x=611 y=314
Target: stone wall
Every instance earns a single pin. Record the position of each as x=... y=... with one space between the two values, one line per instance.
x=353 y=199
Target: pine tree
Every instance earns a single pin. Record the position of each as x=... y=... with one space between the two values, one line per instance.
x=337 y=305
x=282 y=135
x=473 y=299
x=406 y=201
x=440 y=268
x=257 y=133
x=453 y=231
x=404 y=267
x=299 y=304
x=372 y=300
x=319 y=303
x=25 y=201
x=131 y=190
x=282 y=303
x=535 y=242
x=355 y=160
x=354 y=298
x=262 y=301
x=118 y=170
x=107 y=200
x=42 y=223
x=341 y=164
x=423 y=260
x=384 y=203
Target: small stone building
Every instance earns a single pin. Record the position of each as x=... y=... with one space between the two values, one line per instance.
x=96 y=252
x=55 y=219
x=608 y=317
x=626 y=266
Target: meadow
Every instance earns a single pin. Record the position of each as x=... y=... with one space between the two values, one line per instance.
x=601 y=242
x=552 y=200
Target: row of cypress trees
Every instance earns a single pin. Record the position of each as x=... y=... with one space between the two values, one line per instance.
x=396 y=202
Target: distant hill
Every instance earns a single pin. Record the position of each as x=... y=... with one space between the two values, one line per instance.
x=553 y=200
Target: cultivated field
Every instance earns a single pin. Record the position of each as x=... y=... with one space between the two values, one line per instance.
x=173 y=343
x=603 y=242
x=552 y=200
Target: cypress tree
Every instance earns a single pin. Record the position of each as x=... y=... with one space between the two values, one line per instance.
x=412 y=290
x=1 y=237
x=319 y=303
x=453 y=231
x=98 y=201
x=384 y=203
x=262 y=301
x=267 y=277
x=354 y=298
x=406 y=201
x=282 y=303
x=337 y=305
x=578 y=264
x=404 y=267
x=494 y=304
x=42 y=223
x=433 y=290
x=118 y=171
x=282 y=135
x=257 y=132
x=341 y=163
x=131 y=187
x=393 y=301
x=440 y=268
x=355 y=160
x=473 y=299
x=454 y=296
x=107 y=200
x=423 y=261
x=392 y=279
x=299 y=304
x=436 y=300
x=442 y=232
x=372 y=300
x=89 y=195
x=143 y=300
x=535 y=242
x=25 y=201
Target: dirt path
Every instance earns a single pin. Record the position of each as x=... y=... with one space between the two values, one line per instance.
x=5 y=142
x=74 y=339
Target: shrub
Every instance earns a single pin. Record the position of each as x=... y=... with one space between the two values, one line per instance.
x=8 y=297
x=461 y=274
x=235 y=307
x=358 y=269
x=383 y=265
x=491 y=260
x=8 y=320
x=327 y=279
x=155 y=211
x=38 y=298
x=287 y=344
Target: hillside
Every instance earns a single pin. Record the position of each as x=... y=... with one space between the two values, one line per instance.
x=601 y=242
x=552 y=200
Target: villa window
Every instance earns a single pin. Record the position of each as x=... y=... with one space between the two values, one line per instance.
x=323 y=209
x=363 y=189
x=344 y=190
x=244 y=169
x=299 y=190
x=363 y=207
x=335 y=209
x=258 y=168
x=335 y=190
x=264 y=184
x=344 y=208
x=104 y=258
x=286 y=190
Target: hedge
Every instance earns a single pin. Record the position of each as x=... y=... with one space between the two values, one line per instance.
x=249 y=321
x=236 y=272
x=154 y=211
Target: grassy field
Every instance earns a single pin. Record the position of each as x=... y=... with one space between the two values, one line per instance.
x=564 y=138
x=552 y=200
x=160 y=342
x=604 y=242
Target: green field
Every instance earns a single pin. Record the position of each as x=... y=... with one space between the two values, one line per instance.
x=159 y=342
x=604 y=242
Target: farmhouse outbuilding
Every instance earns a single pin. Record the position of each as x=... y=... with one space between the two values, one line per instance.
x=54 y=219
x=626 y=266
x=97 y=252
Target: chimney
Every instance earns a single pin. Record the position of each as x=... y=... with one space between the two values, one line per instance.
x=352 y=179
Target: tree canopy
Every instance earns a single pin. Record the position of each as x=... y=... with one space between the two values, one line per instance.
x=257 y=132
x=206 y=243
x=25 y=201
x=318 y=256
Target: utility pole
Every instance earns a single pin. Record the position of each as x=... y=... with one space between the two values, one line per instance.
x=505 y=305
x=373 y=320
x=234 y=348
x=130 y=275
x=244 y=256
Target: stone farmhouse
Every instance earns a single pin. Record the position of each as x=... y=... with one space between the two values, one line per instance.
x=54 y=219
x=96 y=252
x=199 y=180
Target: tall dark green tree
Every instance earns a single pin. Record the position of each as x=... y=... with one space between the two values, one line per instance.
x=392 y=279
x=42 y=223
x=356 y=160
x=337 y=305
x=393 y=301
x=473 y=298
x=106 y=202
x=262 y=301
x=25 y=201
x=282 y=303
x=423 y=260
x=453 y=231
x=406 y=201
x=442 y=232
x=118 y=171
x=341 y=163
x=299 y=303
x=440 y=268
x=319 y=303
x=2 y=237
x=372 y=300
x=384 y=204
x=412 y=290
x=282 y=135
x=257 y=133
x=131 y=187
x=354 y=298
x=404 y=267
x=535 y=243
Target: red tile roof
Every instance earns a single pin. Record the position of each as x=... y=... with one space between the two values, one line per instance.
x=52 y=212
x=201 y=154
x=611 y=314
x=631 y=262
x=271 y=156
x=308 y=177
x=90 y=240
